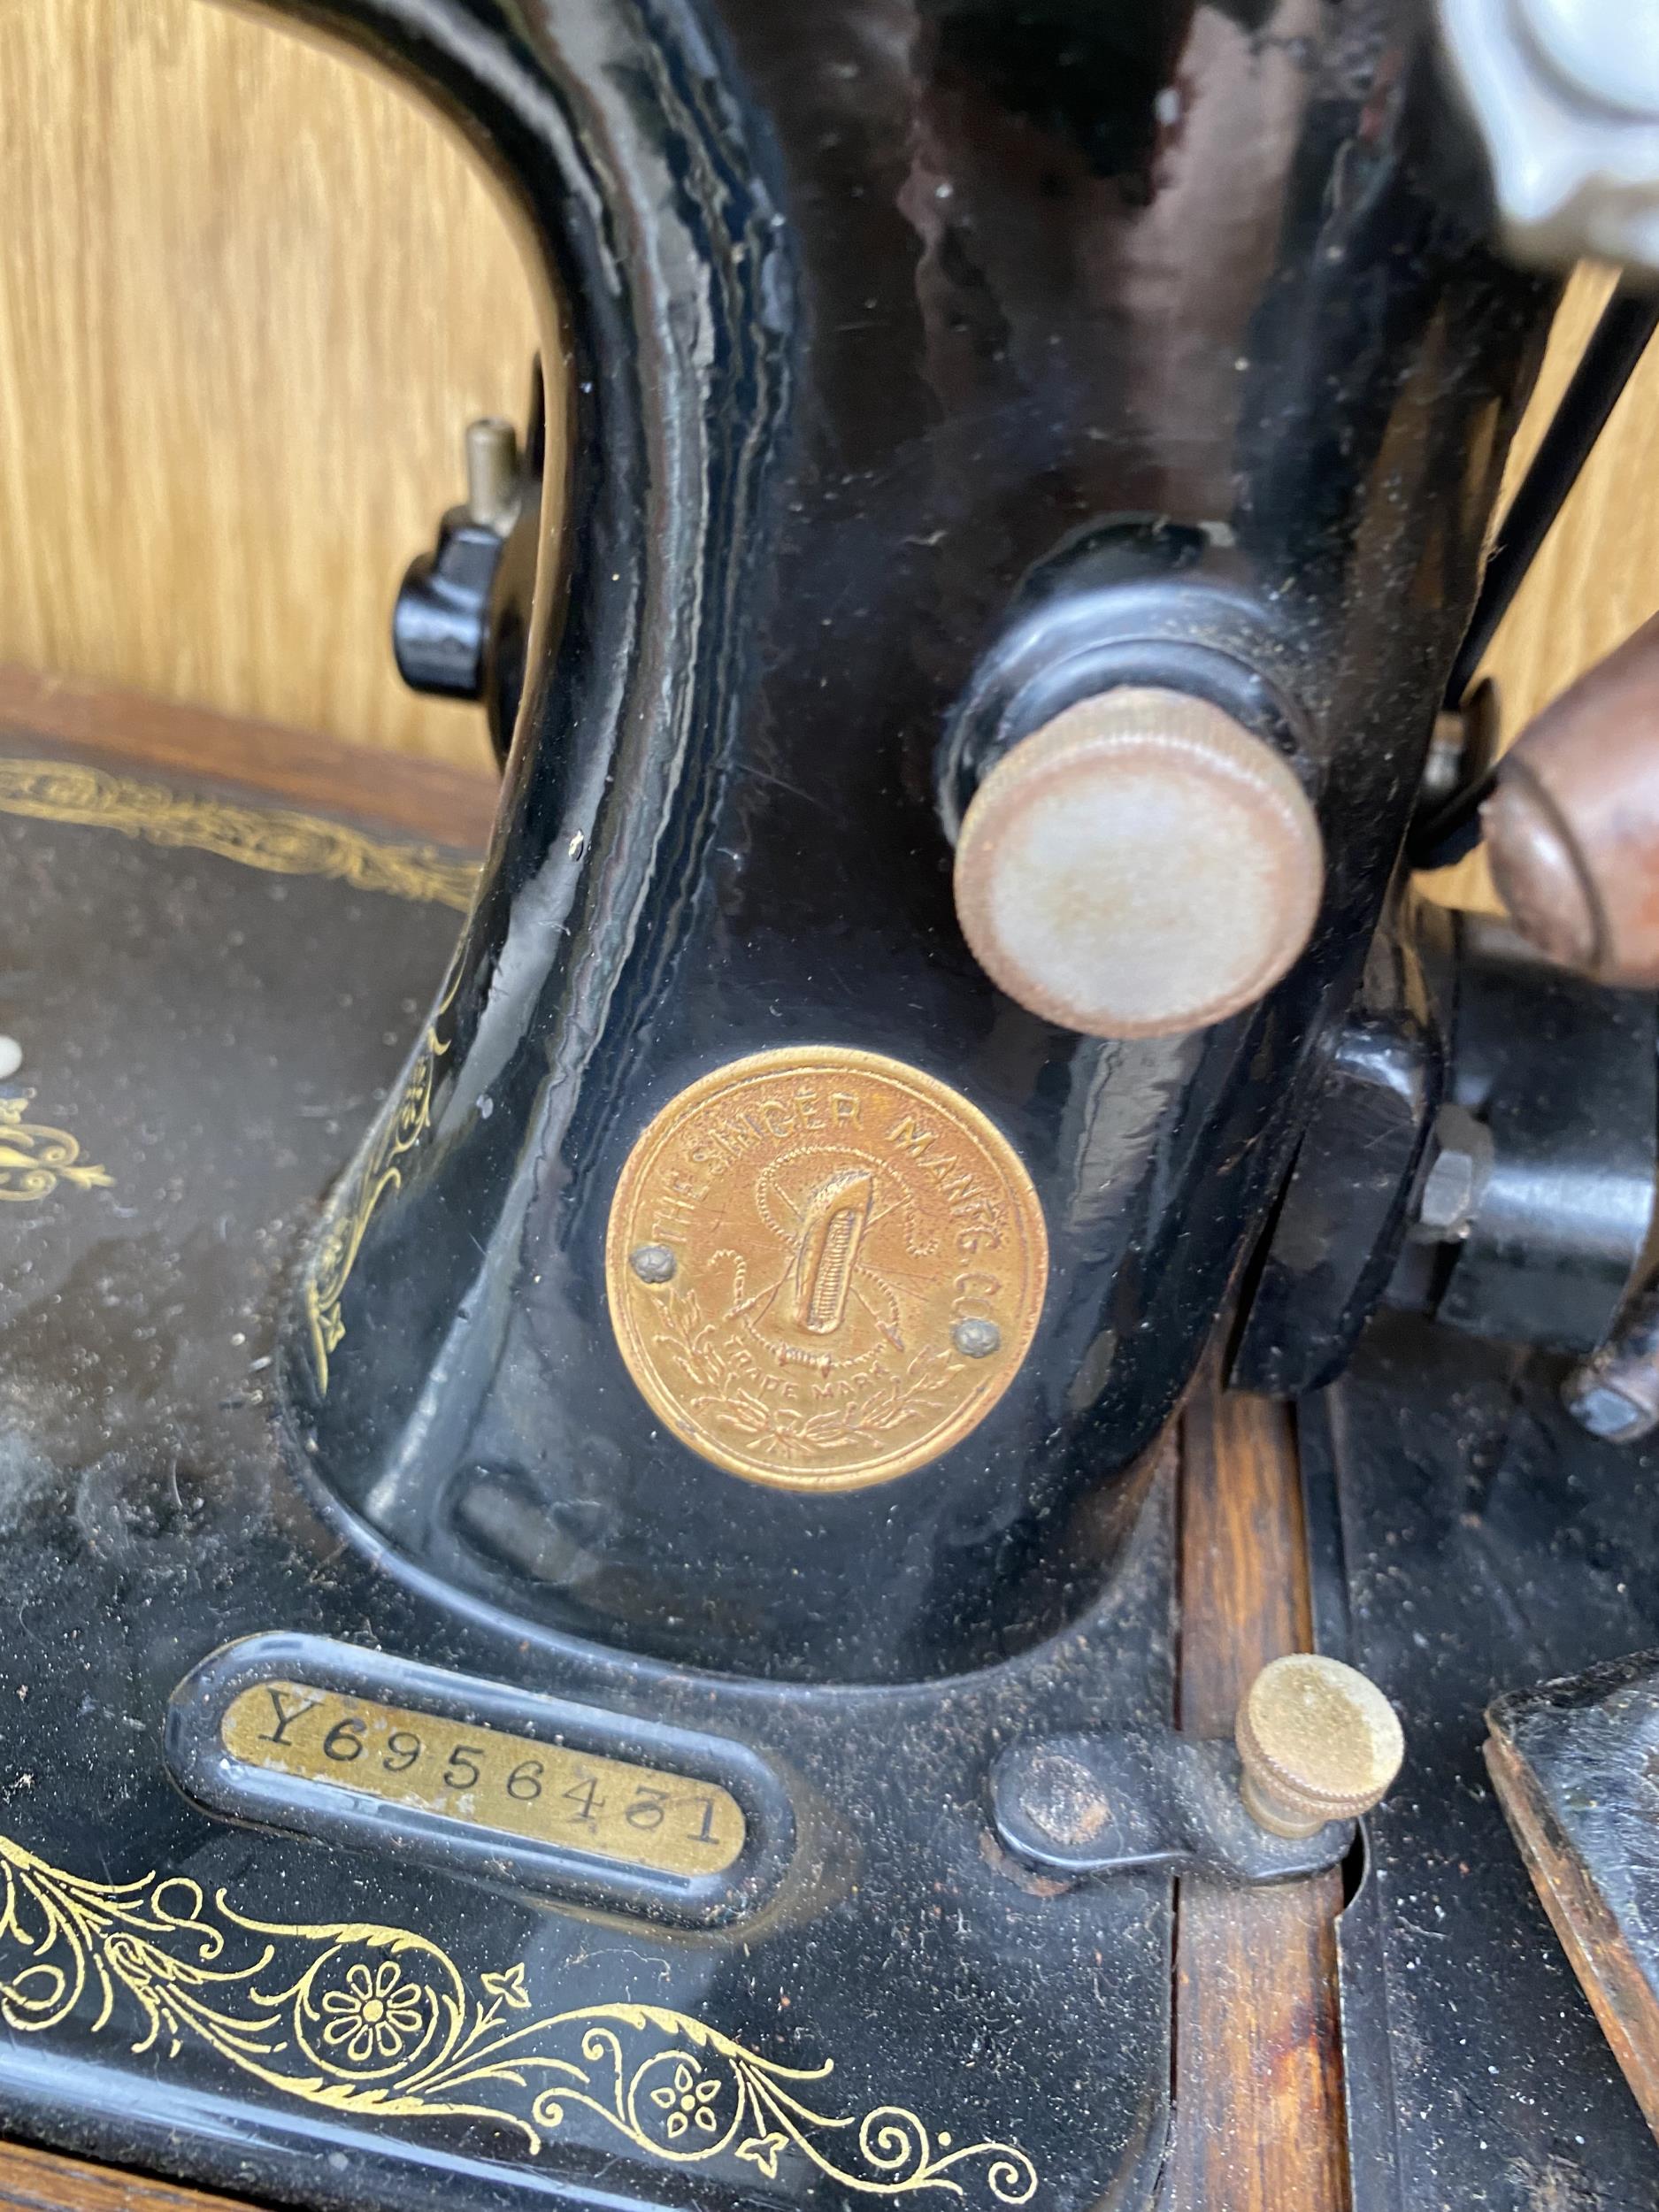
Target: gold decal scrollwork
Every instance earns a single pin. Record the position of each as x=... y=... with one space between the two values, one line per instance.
x=348 y=1216
x=275 y=839
x=343 y=1231
x=353 y=1202
x=381 y=2022
x=36 y=1159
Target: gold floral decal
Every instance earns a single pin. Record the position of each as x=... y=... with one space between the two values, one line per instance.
x=361 y=1190
x=353 y=1204
x=276 y=839
x=374 y=2020
x=35 y=1159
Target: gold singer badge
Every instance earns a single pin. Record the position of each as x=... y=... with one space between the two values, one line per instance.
x=825 y=1268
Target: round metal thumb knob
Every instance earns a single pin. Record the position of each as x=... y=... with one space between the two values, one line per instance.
x=1140 y=865
x=1318 y=1743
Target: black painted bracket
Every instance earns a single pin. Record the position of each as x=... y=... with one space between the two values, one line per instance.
x=1103 y=1804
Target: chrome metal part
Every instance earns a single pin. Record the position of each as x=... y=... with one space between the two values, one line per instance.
x=494 y=486
x=1562 y=1074
x=1615 y=1394
x=1455 y=1181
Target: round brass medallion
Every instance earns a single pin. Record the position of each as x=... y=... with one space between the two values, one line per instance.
x=824 y=1267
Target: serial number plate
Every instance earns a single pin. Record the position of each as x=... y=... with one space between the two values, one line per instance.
x=485 y=1778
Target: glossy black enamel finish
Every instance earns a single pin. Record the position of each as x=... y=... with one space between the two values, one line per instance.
x=149 y=1521
x=1477 y=1542
x=1338 y=1233
x=877 y=310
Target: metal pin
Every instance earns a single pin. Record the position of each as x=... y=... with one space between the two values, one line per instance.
x=976 y=1339
x=492 y=471
x=652 y=1262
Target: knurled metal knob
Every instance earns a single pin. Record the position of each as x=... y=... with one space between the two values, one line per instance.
x=1318 y=1743
x=1140 y=865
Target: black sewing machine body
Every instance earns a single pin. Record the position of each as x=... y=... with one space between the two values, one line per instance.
x=849 y=457
x=426 y=1771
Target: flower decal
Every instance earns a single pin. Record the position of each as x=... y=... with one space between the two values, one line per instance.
x=361 y=2017
x=687 y=2102
x=374 y=2016
x=762 y=2151
x=508 y=1987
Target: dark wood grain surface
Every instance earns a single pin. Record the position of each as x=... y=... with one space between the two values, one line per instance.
x=1258 y=2122
x=31 y=2179
x=424 y=798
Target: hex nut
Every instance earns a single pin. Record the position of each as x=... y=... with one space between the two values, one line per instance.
x=1459 y=1168
x=1449 y=1192
x=1317 y=1742
x=1603 y=1410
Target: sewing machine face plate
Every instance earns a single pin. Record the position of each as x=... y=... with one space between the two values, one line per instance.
x=339 y=2014
x=825 y=1267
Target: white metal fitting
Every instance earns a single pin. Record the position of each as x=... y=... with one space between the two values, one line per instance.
x=1565 y=93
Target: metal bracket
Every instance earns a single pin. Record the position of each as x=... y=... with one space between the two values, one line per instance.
x=1105 y=1804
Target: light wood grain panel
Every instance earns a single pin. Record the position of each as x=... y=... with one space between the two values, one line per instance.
x=1597 y=577
x=250 y=295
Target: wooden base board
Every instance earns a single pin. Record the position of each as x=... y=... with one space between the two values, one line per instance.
x=1258 y=2120
x=42 y=2181
x=426 y=798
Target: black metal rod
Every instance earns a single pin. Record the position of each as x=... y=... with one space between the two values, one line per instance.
x=1616 y=346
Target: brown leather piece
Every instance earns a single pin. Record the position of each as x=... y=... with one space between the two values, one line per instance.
x=1572 y=830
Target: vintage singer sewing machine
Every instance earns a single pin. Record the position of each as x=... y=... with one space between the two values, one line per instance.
x=595 y=1608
